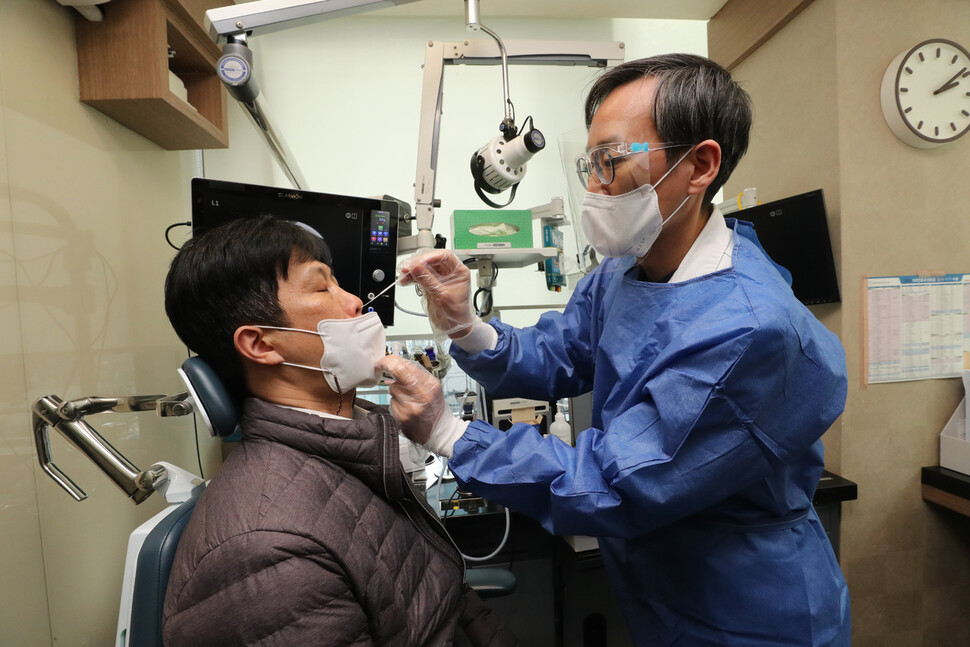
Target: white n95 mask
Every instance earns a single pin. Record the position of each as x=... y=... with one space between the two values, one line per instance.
x=626 y=224
x=351 y=350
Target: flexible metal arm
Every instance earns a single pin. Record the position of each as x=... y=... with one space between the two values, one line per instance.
x=68 y=419
x=473 y=21
x=259 y=117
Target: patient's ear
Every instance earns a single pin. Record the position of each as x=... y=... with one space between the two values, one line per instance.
x=253 y=344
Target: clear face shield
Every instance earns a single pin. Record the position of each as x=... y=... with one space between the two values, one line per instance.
x=572 y=145
x=617 y=162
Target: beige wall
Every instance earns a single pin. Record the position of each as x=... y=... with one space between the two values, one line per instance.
x=893 y=210
x=23 y=593
x=84 y=203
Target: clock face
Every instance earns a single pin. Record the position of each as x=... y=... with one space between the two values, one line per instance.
x=930 y=90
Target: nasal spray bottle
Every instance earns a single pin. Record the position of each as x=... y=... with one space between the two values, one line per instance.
x=561 y=429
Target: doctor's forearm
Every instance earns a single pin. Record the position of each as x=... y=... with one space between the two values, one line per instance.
x=480 y=337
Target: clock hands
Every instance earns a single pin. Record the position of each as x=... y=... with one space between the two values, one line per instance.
x=917 y=96
x=952 y=83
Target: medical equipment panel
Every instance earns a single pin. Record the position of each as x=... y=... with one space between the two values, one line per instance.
x=361 y=232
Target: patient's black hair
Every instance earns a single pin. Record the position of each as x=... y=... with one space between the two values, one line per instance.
x=229 y=277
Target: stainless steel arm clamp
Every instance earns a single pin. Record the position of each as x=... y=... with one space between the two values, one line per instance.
x=68 y=419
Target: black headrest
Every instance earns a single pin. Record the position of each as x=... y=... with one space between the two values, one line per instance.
x=218 y=409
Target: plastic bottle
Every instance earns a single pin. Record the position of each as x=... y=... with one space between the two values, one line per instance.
x=561 y=429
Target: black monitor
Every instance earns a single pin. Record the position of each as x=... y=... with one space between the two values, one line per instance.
x=795 y=233
x=361 y=232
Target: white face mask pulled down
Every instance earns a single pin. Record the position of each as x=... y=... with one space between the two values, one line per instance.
x=626 y=224
x=351 y=350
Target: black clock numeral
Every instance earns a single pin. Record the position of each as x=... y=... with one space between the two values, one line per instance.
x=965 y=113
x=954 y=59
x=936 y=130
x=921 y=57
x=919 y=126
x=937 y=52
x=953 y=126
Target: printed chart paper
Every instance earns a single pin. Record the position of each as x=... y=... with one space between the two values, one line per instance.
x=917 y=327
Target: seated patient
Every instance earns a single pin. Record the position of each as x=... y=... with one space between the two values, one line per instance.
x=310 y=534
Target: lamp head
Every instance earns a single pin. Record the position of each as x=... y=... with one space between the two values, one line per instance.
x=501 y=163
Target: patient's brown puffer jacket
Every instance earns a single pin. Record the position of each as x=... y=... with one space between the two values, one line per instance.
x=311 y=534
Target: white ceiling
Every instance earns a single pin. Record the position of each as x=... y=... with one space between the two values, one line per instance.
x=667 y=9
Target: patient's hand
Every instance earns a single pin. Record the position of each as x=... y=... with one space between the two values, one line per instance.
x=417 y=400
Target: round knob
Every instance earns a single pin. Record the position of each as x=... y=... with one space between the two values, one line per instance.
x=378 y=275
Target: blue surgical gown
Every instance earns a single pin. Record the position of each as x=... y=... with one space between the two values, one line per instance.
x=709 y=400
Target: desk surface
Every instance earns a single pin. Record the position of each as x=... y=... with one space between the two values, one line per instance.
x=947 y=480
x=947 y=488
x=478 y=533
x=832 y=488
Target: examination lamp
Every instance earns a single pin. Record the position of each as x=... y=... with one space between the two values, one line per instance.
x=501 y=163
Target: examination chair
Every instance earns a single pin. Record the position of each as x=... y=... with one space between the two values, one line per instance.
x=151 y=547
x=156 y=552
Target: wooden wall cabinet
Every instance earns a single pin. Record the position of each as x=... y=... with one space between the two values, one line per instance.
x=123 y=67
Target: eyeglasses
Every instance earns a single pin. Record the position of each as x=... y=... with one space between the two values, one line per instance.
x=601 y=158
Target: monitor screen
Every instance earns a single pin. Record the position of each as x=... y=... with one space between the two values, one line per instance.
x=361 y=232
x=794 y=231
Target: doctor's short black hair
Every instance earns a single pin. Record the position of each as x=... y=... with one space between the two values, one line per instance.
x=229 y=277
x=696 y=99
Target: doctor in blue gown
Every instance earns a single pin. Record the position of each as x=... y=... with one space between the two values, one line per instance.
x=712 y=384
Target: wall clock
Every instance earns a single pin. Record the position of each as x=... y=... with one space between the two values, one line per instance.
x=925 y=93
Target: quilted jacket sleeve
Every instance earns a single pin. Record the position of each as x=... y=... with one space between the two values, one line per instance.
x=265 y=588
